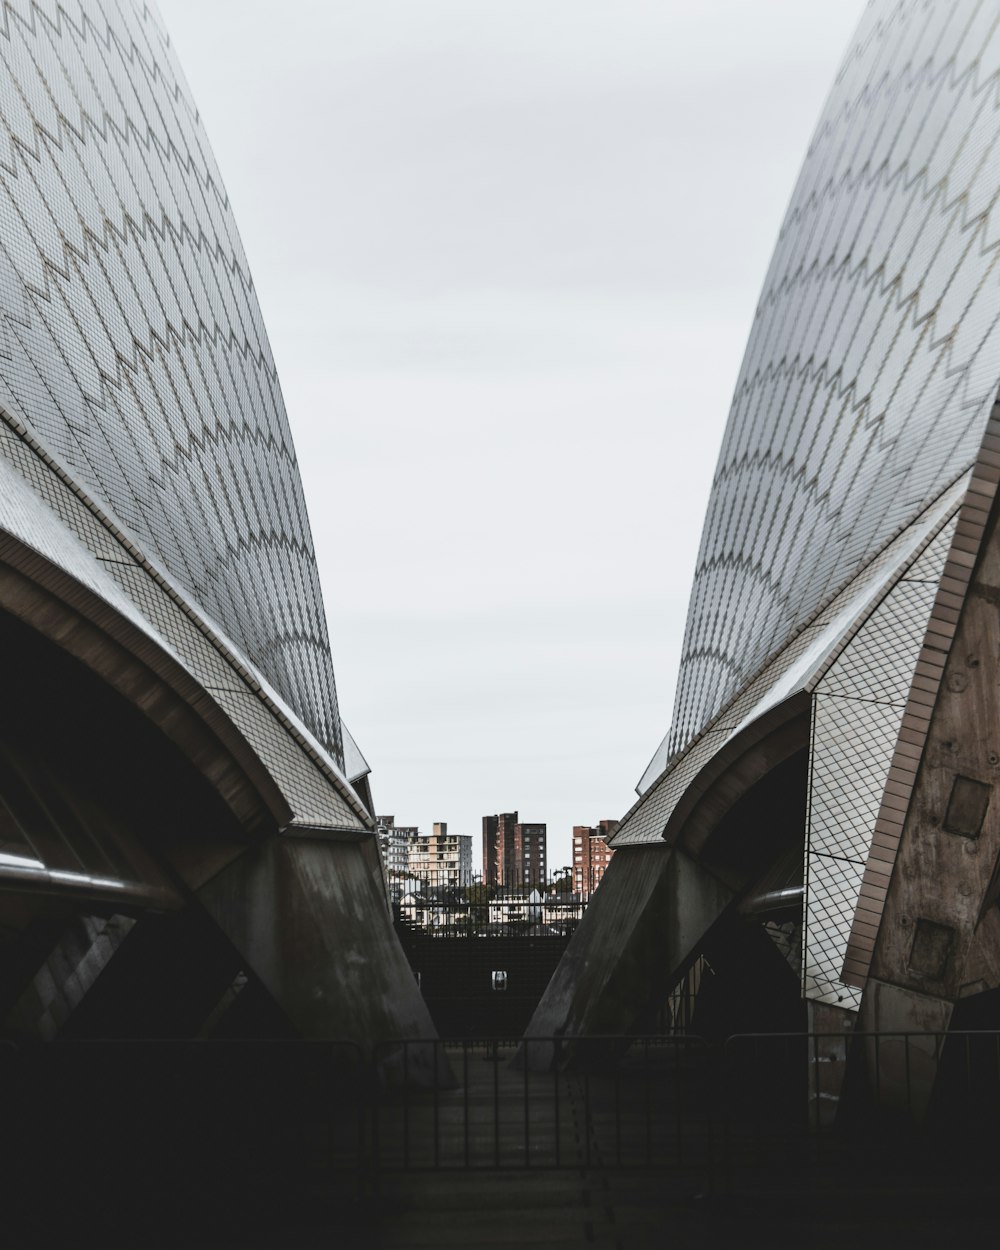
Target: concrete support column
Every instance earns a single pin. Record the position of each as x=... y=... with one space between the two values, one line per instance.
x=72 y=966
x=649 y=917
x=308 y=915
x=831 y=1028
x=902 y=1058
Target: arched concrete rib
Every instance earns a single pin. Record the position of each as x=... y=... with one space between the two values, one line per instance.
x=85 y=614
x=799 y=667
x=91 y=545
x=658 y=902
x=306 y=912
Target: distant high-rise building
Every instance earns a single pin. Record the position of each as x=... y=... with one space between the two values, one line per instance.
x=591 y=854
x=514 y=852
x=498 y=831
x=441 y=858
x=393 y=841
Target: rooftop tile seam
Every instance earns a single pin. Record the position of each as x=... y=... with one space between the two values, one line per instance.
x=850 y=632
x=769 y=369
x=903 y=297
x=202 y=335
x=906 y=79
x=866 y=271
x=249 y=678
x=234 y=261
x=107 y=36
x=824 y=604
x=877 y=34
x=847 y=859
x=219 y=433
x=227 y=254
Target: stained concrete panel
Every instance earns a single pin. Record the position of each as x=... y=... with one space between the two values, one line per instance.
x=310 y=918
x=653 y=909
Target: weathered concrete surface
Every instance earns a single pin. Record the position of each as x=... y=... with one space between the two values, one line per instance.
x=130 y=751
x=653 y=909
x=310 y=918
x=902 y=1059
x=58 y=987
x=832 y=1028
x=938 y=938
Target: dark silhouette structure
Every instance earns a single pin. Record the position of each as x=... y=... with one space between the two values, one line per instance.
x=825 y=795
x=186 y=829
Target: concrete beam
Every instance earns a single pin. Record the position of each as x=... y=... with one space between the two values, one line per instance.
x=71 y=967
x=831 y=1029
x=649 y=917
x=309 y=917
x=82 y=625
x=902 y=1052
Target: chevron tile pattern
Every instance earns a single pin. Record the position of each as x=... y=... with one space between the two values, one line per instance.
x=867 y=391
x=131 y=342
x=875 y=351
x=816 y=656
x=44 y=511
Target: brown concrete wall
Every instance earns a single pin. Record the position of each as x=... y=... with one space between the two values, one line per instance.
x=940 y=902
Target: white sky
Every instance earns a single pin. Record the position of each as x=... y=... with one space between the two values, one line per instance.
x=508 y=253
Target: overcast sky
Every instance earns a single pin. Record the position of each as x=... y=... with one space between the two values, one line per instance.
x=508 y=253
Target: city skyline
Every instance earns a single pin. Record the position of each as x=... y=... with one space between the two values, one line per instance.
x=601 y=827
x=507 y=406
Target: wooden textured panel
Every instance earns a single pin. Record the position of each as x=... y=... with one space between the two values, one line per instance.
x=967 y=806
x=946 y=619
x=931 y=947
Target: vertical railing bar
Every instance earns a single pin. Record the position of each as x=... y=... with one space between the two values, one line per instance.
x=376 y=1128
x=618 y=1115
x=678 y=1127
x=996 y=1067
x=817 y=1102
x=878 y=1069
x=437 y=1118
x=646 y=1100
x=359 y=1136
x=555 y=1100
x=465 y=1100
x=406 y=1105
x=527 y=1114
x=586 y=1113
x=968 y=1075
x=496 y=1107
x=909 y=1078
x=725 y=1110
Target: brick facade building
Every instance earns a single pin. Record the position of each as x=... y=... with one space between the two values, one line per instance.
x=591 y=855
x=514 y=852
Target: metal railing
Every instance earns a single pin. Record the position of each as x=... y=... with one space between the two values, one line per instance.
x=543 y=1103
x=306 y=1119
